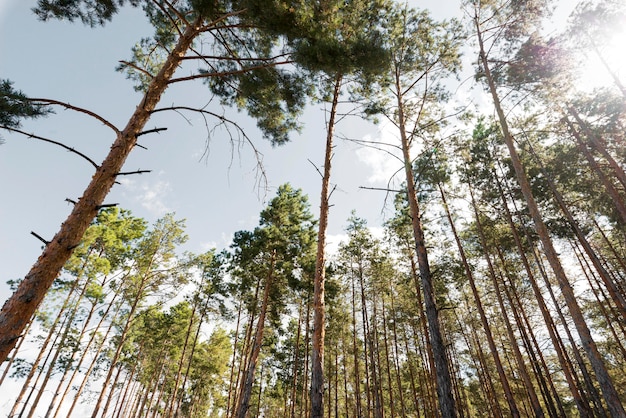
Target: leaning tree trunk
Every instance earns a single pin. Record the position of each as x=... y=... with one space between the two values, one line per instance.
x=504 y=380
x=319 y=314
x=19 y=308
x=551 y=327
x=604 y=379
x=442 y=370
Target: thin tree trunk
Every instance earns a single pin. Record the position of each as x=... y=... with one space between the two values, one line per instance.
x=595 y=397
x=604 y=379
x=16 y=350
x=357 y=377
x=521 y=367
x=395 y=355
x=442 y=370
x=246 y=392
x=554 y=337
x=508 y=394
x=597 y=144
x=84 y=353
x=319 y=314
x=296 y=364
x=620 y=206
x=94 y=360
x=611 y=286
x=232 y=389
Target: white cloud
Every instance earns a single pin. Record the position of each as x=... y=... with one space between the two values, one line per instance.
x=150 y=195
x=382 y=165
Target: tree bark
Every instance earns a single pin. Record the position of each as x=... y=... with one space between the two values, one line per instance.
x=442 y=371
x=504 y=380
x=246 y=392
x=21 y=306
x=604 y=380
x=319 y=314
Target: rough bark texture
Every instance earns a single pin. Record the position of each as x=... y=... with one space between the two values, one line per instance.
x=319 y=310
x=442 y=370
x=604 y=380
x=19 y=308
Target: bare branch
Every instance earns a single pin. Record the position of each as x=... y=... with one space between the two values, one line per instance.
x=227 y=73
x=223 y=58
x=107 y=205
x=227 y=124
x=384 y=189
x=211 y=25
x=169 y=16
x=150 y=131
x=77 y=109
x=316 y=168
x=128 y=173
x=136 y=67
x=39 y=237
x=70 y=149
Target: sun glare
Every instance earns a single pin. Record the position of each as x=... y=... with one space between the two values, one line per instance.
x=606 y=64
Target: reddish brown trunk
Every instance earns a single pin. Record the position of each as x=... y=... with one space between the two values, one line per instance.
x=319 y=314
x=21 y=306
x=508 y=394
x=442 y=370
x=246 y=392
x=605 y=382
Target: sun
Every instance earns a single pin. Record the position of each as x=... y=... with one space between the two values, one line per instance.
x=604 y=60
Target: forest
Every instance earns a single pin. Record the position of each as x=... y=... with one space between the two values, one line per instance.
x=496 y=287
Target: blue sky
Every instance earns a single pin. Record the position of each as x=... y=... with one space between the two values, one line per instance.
x=216 y=193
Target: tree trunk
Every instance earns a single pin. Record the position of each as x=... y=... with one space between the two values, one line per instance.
x=246 y=392
x=296 y=364
x=21 y=306
x=554 y=337
x=504 y=380
x=442 y=370
x=319 y=314
x=604 y=380
x=94 y=359
x=521 y=367
x=620 y=206
x=232 y=385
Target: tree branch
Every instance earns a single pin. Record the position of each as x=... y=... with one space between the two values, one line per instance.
x=70 y=149
x=39 y=237
x=128 y=173
x=384 y=189
x=150 y=131
x=136 y=67
x=227 y=73
x=77 y=109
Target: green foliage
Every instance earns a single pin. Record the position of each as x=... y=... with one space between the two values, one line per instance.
x=537 y=61
x=284 y=241
x=423 y=52
x=90 y=12
x=15 y=105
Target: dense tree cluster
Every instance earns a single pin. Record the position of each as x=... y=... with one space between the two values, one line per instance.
x=497 y=289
